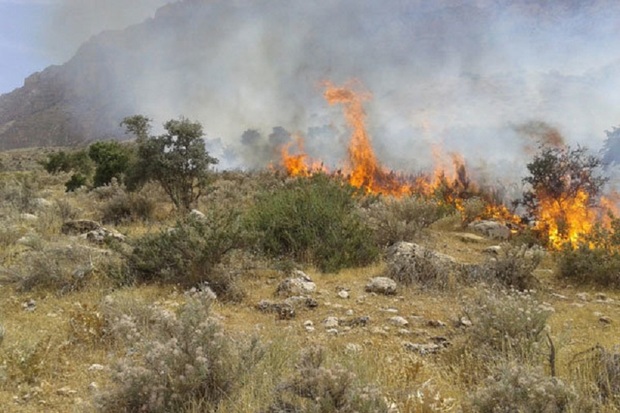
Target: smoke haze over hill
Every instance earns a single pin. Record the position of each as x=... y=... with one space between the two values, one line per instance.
x=466 y=75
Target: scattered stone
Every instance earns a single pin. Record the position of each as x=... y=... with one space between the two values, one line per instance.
x=333 y=331
x=583 y=296
x=435 y=323
x=79 y=226
x=491 y=229
x=404 y=332
x=354 y=322
x=93 y=387
x=381 y=285
x=283 y=311
x=379 y=331
x=96 y=367
x=602 y=298
x=493 y=250
x=42 y=203
x=350 y=312
x=398 y=321
x=101 y=235
x=352 y=348
x=331 y=322
x=559 y=296
x=308 y=323
x=66 y=391
x=441 y=340
x=464 y=322
x=391 y=310
x=29 y=305
x=299 y=285
x=197 y=215
x=343 y=294
x=28 y=217
x=605 y=319
x=299 y=302
x=422 y=349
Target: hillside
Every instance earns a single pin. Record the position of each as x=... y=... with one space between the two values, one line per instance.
x=69 y=316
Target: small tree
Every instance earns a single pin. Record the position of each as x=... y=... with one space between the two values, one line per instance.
x=177 y=159
x=558 y=178
x=112 y=160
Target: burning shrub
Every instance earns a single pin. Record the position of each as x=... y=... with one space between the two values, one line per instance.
x=519 y=388
x=189 y=253
x=313 y=220
x=189 y=362
x=315 y=388
x=564 y=184
x=393 y=220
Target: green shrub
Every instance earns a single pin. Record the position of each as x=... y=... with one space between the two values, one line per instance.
x=401 y=219
x=317 y=389
x=590 y=265
x=189 y=361
x=313 y=220
x=516 y=388
x=76 y=181
x=112 y=161
x=190 y=252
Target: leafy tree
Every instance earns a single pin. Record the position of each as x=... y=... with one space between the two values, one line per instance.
x=77 y=162
x=560 y=174
x=177 y=159
x=112 y=160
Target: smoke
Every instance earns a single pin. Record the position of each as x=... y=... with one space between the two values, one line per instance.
x=71 y=22
x=456 y=74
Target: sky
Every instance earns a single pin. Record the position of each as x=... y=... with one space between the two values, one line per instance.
x=35 y=34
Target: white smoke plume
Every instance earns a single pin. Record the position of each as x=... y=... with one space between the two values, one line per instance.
x=463 y=74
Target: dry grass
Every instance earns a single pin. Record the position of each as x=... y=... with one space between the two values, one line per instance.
x=48 y=356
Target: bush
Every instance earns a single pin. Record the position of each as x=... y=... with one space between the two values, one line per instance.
x=190 y=252
x=393 y=220
x=516 y=388
x=313 y=220
x=317 y=389
x=188 y=362
x=126 y=207
x=413 y=264
x=513 y=268
x=509 y=323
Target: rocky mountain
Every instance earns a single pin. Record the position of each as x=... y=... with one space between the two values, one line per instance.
x=238 y=65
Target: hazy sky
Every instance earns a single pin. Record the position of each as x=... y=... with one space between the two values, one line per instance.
x=37 y=33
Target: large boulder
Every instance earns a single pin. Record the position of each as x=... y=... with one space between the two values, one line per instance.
x=298 y=285
x=491 y=229
x=410 y=263
x=382 y=285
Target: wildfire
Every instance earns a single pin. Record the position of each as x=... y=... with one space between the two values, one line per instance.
x=564 y=220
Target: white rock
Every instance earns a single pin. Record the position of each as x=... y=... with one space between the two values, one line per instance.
x=96 y=367
x=330 y=322
x=381 y=285
x=398 y=321
x=343 y=294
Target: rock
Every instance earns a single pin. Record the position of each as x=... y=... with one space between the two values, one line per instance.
x=66 y=391
x=602 y=298
x=101 y=235
x=283 y=311
x=464 y=322
x=381 y=285
x=398 y=321
x=435 y=323
x=332 y=331
x=93 y=387
x=28 y=217
x=422 y=349
x=79 y=226
x=412 y=263
x=583 y=296
x=492 y=250
x=352 y=348
x=605 y=319
x=343 y=294
x=491 y=229
x=29 y=305
x=299 y=285
x=197 y=215
x=331 y=322
x=96 y=367
x=559 y=296
x=354 y=322
x=42 y=203
x=299 y=302
x=350 y=312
